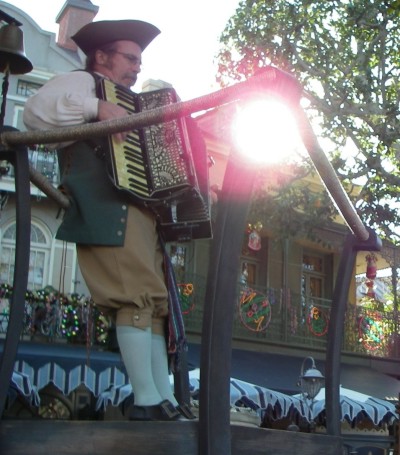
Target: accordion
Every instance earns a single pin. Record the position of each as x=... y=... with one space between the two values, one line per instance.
x=163 y=167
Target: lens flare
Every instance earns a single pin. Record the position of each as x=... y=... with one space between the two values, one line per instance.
x=265 y=131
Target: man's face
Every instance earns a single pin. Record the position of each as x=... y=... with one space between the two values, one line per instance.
x=122 y=64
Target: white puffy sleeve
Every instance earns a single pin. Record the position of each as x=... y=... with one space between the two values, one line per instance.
x=65 y=100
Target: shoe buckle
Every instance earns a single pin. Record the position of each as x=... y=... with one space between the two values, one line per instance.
x=169 y=409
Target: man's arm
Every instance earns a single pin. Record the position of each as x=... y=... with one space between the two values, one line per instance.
x=67 y=100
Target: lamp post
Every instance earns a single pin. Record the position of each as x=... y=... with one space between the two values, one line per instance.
x=310 y=382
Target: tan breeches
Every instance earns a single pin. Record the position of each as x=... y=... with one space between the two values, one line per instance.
x=129 y=280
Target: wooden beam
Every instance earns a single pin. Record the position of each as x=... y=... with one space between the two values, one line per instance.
x=42 y=437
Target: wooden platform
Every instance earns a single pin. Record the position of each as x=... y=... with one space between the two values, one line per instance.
x=50 y=437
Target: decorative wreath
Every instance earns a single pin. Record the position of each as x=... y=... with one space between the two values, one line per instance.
x=317 y=322
x=370 y=331
x=186 y=297
x=254 y=310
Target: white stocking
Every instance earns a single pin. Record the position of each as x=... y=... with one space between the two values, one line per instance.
x=159 y=364
x=136 y=350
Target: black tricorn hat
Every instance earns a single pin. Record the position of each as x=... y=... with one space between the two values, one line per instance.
x=96 y=34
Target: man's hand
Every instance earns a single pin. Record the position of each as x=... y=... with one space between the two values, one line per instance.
x=109 y=111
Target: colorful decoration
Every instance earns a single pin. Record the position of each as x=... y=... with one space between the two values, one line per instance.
x=73 y=317
x=186 y=297
x=254 y=242
x=370 y=331
x=371 y=271
x=102 y=326
x=371 y=265
x=370 y=291
x=71 y=323
x=254 y=310
x=317 y=322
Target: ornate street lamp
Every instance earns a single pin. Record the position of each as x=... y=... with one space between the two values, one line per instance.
x=310 y=382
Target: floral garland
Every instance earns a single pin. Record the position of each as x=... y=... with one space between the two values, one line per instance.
x=49 y=313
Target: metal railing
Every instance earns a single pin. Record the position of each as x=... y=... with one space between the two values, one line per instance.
x=265 y=315
x=261 y=315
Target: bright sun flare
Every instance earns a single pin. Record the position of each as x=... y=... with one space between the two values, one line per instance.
x=265 y=131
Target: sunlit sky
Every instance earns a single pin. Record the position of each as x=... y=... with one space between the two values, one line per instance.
x=182 y=55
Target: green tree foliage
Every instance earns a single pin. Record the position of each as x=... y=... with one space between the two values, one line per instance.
x=346 y=54
x=291 y=205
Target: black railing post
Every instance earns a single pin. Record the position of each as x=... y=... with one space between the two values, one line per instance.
x=336 y=325
x=216 y=348
x=19 y=158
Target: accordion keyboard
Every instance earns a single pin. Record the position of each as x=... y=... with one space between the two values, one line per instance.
x=152 y=162
x=129 y=162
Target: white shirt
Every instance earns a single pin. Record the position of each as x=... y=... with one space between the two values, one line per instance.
x=65 y=100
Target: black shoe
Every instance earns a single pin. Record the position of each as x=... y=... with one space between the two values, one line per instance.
x=127 y=404
x=164 y=411
x=185 y=410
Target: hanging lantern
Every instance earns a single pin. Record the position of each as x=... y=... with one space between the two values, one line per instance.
x=254 y=242
x=371 y=266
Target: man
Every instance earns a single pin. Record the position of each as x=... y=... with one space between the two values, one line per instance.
x=118 y=248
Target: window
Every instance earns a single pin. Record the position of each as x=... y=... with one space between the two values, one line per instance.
x=27 y=88
x=38 y=259
x=248 y=274
x=313 y=276
x=18 y=121
x=45 y=162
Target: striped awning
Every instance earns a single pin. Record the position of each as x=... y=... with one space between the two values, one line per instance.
x=355 y=407
x=241 y=394
x=69 y=380
x=21 y=383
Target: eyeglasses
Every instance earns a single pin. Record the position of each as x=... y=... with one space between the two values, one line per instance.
x=130 y=57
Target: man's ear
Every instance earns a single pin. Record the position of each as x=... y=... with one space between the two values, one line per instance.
x=100 y=57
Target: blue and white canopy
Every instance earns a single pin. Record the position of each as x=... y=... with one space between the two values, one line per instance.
x=355 y=406
x=241 y=394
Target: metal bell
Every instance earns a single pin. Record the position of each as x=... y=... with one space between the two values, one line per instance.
x=12 y=55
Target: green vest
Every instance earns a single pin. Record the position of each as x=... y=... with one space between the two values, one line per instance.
x=98 y=211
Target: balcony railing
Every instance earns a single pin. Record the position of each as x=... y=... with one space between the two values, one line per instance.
x=261 y=316
x=267 y=315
